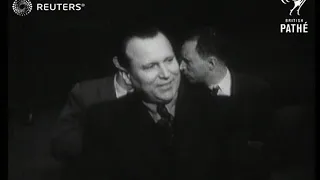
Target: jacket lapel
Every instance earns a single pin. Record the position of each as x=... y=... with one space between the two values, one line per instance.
x=196 y=134
x=137 y=137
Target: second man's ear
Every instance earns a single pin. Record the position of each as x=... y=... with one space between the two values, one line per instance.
x=212 y=62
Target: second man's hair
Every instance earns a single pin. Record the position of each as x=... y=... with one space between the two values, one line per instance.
x=209 y=42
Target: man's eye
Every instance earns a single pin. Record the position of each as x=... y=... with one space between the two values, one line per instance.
x=148 y=66
x=169 y=60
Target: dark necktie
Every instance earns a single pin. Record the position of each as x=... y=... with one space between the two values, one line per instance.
x=165 y=124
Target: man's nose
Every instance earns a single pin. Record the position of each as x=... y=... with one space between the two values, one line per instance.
x=164 y=73
x=182 y=66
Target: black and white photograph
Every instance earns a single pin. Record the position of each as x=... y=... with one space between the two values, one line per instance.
x=161 y=90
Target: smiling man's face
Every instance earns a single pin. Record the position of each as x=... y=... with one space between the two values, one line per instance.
x=154 y=69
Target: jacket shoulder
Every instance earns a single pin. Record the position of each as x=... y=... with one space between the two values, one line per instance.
x=250 y=84
x=92 y=84
x=111 y=112
x=94 y=91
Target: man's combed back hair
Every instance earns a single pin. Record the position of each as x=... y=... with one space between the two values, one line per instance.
x=139 y=31
x=209 y=42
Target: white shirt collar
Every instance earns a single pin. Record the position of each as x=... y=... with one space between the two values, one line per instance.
x=224 y=85
x=120 y=91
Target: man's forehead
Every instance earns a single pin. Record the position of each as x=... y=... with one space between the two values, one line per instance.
x=158 y=39
x=154 y=47
x=188 y=48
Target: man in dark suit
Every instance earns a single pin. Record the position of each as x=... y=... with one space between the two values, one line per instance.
x=274 y=129
x=162 y=130
x=203 y=56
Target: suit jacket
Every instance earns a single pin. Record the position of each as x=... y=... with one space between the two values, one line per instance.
x=250 y=96
x=66 y=141
x=121 y=141
x=244 y=84
x=254 y=97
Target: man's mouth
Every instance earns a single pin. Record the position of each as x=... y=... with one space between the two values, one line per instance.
x=166 y=85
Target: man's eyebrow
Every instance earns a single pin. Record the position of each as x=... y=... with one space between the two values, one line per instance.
x=150 y=63
x=169 y=58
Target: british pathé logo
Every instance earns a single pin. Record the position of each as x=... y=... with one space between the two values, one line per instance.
x=297 y=4
x=294 y=25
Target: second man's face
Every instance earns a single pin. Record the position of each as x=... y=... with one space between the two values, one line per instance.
x=154 y=68
x=192 y=65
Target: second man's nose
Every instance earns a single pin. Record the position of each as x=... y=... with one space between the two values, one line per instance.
x=182 y=65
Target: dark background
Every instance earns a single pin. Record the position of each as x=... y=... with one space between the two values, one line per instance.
x=48 y=52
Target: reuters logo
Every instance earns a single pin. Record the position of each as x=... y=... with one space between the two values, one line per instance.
x=22 y=7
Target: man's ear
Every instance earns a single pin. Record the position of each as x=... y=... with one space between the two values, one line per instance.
x=117 y=64
x=126 y=77
x=212 y=60
x=122 y=71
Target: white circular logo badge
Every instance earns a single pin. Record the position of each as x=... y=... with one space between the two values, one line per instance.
x=22 y=7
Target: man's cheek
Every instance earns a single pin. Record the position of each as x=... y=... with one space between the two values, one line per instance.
x=174 y=68
x=149 y=77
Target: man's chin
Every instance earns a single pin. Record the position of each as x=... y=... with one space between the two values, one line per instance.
x=166 y=98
